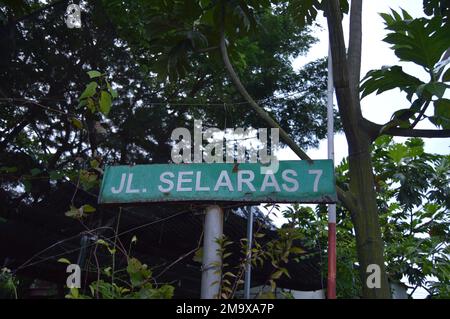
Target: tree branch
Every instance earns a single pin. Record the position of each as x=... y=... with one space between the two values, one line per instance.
x=354 y=47
x=418 y=133
x=259 y=110
x=40 y=10
x=422 y=112
x=375 y=130
x=205 y=50
x=348 y=99
x=344 y=197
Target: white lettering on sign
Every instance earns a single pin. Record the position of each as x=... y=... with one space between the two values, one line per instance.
x=291 y=180
x=129 y=190
x=182 y=180
x=164 y=180
x=295 y=181
x=272 y=183
x=198 y=187
x=188 y=181
x=122 y=183
x=318 y=173
x=223 y=180
x=247 y=181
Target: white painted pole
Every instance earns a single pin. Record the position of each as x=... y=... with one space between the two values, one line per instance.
x=248 y=266
x=331 y=280
x=211 y=264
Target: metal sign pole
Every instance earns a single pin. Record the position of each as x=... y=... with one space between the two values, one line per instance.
x=248 y=267
x=331 y=281
x=212 y=262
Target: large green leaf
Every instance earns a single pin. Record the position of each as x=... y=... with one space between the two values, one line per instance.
x=422 y=41
x=94 y=74
x=442 y=113
x=389 y=78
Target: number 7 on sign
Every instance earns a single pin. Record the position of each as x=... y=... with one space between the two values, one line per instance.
x=318 y=173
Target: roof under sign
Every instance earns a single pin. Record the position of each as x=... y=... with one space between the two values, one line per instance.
x=164 y=233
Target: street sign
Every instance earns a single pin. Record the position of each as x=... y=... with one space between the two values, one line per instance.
x=293 y=182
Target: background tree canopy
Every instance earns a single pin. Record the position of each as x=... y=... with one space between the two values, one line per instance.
x=44 y=130
x=73 y=100
x=112 y=91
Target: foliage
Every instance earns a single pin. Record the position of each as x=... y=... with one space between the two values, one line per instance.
x=305 y=12
x=413 y=198
x=56 y=91
x=275 y=253
x=421 y=41
x=178 y=42
x=416 y=224
x=111 y=283
x=8 y=284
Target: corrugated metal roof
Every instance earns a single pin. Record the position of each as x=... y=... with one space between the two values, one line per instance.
x=164 y=232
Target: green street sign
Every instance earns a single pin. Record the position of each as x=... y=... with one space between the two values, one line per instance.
x=293 y=182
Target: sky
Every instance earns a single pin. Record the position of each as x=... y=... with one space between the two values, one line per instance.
x=375 y=54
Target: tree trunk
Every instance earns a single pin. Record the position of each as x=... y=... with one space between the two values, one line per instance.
x=346 y=69
x=370 y=246
x=361 y=202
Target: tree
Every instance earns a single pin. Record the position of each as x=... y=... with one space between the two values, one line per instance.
x=359 y=132
x=44 y=76
x=76 y=99
x=221 y=23
x=169 y=38
x=360 y=198
x=412 y=198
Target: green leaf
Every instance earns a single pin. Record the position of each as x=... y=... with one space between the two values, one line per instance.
x=88 y=208
x=111 y=90
x=82 y=103
x=277 y=274
x=105 y=102
x=138 y=272
x=107 y=271
x=421 y=40
x=74 y=213
x=94 y=74
x=436 y=88
x=91 y=105
x=442 y=113
x=398 y=152
x=297 y=250
x=74 y=292
x=94 y=163
x=35 y=171
x=102 y=242
x=388 y=78
x=198 y=256
x=54 y=175
x=446 y=76
x=64 y=261
x=8 y=169
x=442 y=108
x=266 y=295
x=89 y=91
x=76 y=122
